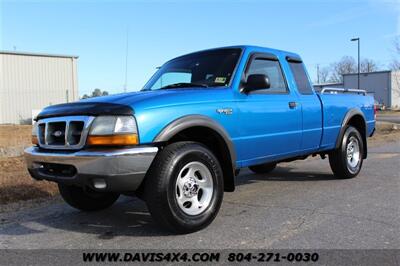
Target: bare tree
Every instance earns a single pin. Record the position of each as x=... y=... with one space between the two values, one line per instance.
x=395 y=65
x=346 y=65
x=323 y=75
x=95 y=93
x=369 y=65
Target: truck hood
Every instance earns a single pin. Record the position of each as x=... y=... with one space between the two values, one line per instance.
x=127 y=103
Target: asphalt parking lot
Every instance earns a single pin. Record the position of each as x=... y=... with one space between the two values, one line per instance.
x=299 y=205
x=389 y=118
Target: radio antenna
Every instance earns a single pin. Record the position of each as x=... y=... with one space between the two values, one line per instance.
x=126 y=59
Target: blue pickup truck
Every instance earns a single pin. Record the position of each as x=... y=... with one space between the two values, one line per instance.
x=180 y=141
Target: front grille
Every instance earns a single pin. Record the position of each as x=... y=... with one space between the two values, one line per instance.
x=68 y=132
x=56 y=133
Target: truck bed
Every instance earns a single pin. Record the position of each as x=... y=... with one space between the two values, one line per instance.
x=334 y=109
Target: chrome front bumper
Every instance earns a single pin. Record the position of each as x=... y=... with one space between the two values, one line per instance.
x=118 y=170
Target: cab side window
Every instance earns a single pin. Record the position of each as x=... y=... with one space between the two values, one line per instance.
x=273 y=70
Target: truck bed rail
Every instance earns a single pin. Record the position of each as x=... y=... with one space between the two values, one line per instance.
x=341 y=90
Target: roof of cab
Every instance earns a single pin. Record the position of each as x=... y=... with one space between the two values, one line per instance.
x=251 y=48
x=267 y=50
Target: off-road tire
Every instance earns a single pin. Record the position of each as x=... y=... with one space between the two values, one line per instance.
x=341 y=166
x=161 y=190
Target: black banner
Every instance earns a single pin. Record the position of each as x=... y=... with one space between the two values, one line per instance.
x=193 y=257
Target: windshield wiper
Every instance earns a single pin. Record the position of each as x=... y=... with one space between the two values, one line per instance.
x=183 y=85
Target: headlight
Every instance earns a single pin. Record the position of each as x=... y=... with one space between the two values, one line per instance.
x=113 y=130
x=34 y=138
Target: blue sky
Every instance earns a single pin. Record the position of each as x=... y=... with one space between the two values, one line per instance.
x=160 y=30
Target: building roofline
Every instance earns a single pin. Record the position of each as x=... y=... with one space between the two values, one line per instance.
x=373 y=72
x=37 y=54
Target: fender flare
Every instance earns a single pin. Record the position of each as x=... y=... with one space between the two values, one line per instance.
x=349 y=115
x=188 y=121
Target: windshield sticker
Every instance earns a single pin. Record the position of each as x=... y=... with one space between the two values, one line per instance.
x=220 y=80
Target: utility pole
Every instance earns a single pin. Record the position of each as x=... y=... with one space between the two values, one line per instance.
x=358 y=69
x=318 y=73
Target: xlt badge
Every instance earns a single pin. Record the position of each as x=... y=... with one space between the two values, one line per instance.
x=225 y=111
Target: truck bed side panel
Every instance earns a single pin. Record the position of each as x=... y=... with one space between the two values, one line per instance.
x=335 y=107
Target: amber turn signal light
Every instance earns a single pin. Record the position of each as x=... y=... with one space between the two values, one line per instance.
x=111 y=140
x=35 y=140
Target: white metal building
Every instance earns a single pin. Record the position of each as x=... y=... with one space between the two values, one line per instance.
x=30 y=81
x=383 y=85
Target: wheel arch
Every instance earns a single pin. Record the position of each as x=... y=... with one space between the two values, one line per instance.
x=208 y=132
x=355 y=118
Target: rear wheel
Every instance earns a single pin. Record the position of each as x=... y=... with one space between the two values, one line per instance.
x=86 y=200
x=184 y=188
x=263 y=168
x=347 y=160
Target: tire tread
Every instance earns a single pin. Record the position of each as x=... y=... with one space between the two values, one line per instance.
x=155 y=193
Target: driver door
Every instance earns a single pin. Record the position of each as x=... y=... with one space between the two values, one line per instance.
x=270 y=119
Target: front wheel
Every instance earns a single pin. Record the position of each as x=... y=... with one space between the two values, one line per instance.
x=184 y=187
x=346 y=161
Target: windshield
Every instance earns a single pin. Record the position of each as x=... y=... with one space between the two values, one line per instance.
x=212 y=68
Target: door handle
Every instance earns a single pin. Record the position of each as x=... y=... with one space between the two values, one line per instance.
x=292 y=105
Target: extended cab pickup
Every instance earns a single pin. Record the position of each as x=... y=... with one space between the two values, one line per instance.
x=180 y=141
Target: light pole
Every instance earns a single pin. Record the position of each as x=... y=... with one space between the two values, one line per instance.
x=358 y=69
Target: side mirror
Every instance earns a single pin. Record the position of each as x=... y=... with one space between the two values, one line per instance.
x=257 y=82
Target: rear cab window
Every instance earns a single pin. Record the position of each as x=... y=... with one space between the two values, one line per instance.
x=300 y=76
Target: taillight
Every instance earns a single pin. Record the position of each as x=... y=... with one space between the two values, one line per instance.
x=375 y=111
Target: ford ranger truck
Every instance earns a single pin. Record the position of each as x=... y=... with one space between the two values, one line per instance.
x=179 y=142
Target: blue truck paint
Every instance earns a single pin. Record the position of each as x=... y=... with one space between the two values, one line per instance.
x=198 y=120
x=262 y=127
x=335 y=108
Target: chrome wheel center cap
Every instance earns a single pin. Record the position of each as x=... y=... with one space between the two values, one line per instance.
x=190 y=188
